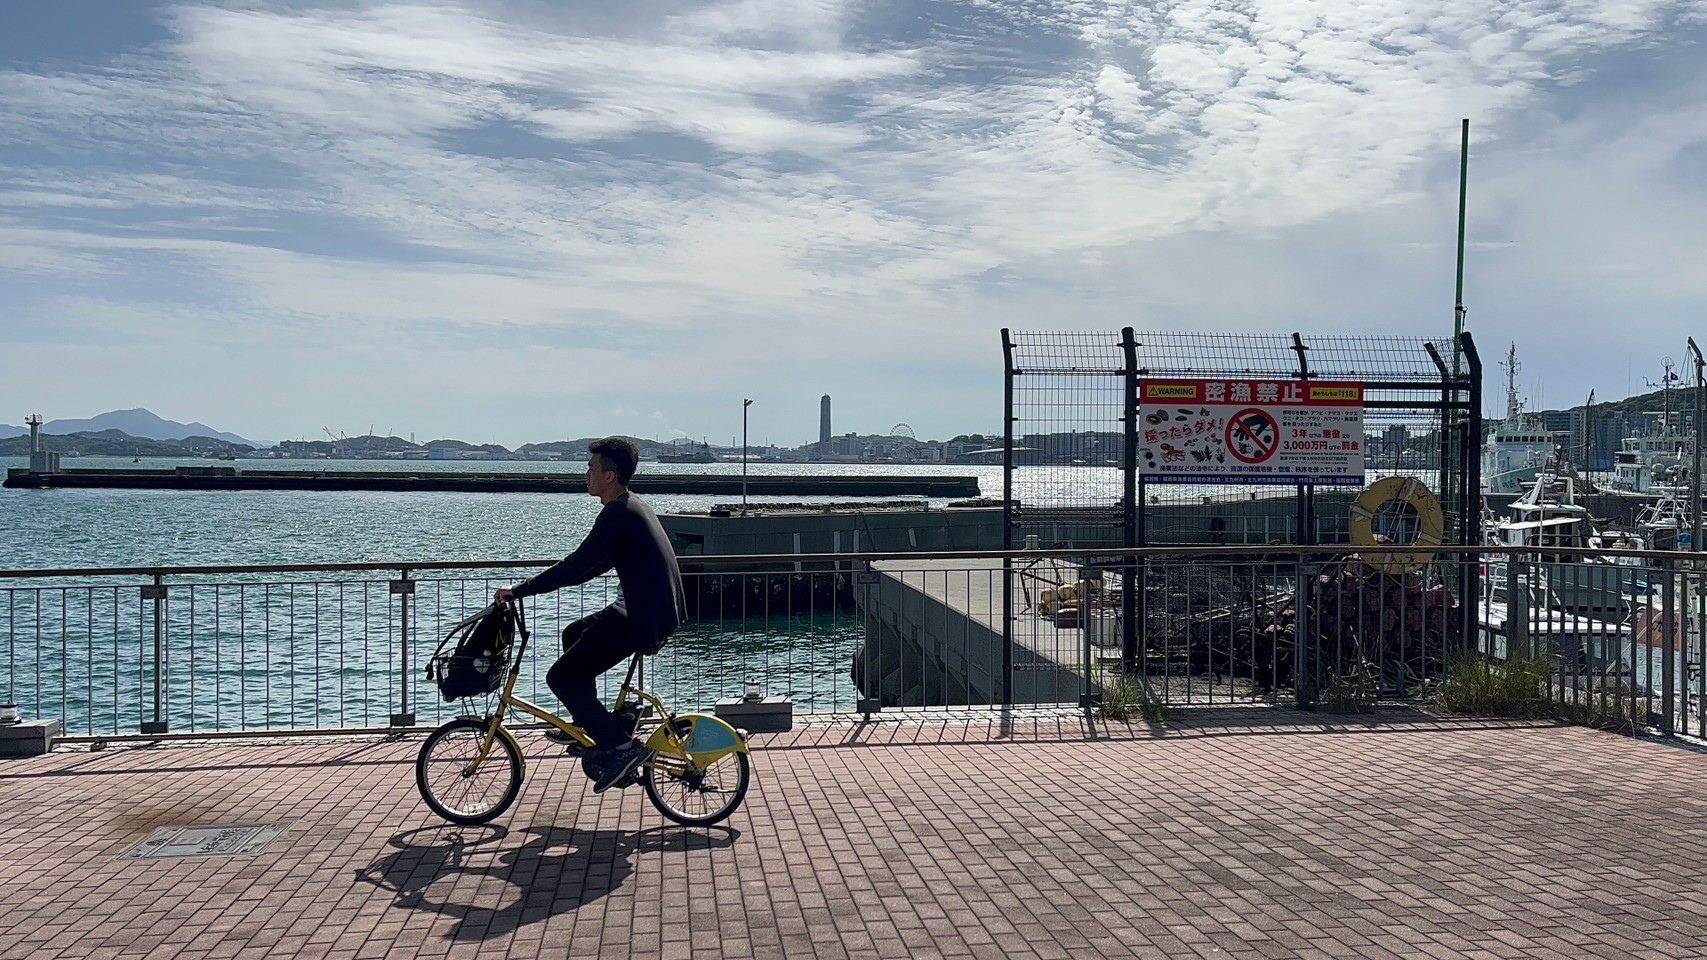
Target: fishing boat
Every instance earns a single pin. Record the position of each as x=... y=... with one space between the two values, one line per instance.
x=1519 y=615
x=1548 y=517
x=1519 y=447
x=1654 y=462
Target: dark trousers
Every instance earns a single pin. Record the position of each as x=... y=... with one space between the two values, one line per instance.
x=591 y=646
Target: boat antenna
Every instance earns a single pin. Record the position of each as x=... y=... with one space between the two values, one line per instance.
x=1665 y=383
x=1512 y=404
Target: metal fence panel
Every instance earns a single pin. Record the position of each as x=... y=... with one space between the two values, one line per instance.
x=1612 y=640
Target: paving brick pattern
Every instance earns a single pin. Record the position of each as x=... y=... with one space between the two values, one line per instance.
x=1226 y=834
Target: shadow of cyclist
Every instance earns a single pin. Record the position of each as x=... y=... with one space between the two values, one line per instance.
x=555 y=870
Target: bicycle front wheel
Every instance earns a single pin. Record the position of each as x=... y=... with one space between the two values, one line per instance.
x=457 y=784
x=699 y=797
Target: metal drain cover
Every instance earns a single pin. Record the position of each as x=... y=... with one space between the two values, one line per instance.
x=238 y=840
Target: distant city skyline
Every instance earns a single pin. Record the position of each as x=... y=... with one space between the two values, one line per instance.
x=507 y=220
x=142 y=422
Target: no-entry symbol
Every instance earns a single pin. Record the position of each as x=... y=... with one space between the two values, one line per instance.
x=1252 y=435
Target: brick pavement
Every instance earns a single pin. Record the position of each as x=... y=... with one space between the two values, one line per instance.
x=1226 y=834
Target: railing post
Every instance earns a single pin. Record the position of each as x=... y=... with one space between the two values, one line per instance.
x=866 y=582
x=1668 y=640
x=1008 y=518
x=1695 y=647
x=1131 y=491
x=1089 y=695
x=1304 y=685
x=403 y=588
x=156 y=594
x=1517 y=586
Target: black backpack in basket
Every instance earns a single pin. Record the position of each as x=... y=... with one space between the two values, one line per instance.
x=476 y=664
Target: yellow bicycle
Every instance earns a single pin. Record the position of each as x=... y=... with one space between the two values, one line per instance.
x=470 y=769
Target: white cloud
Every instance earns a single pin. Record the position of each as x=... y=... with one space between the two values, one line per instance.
x=769 y=188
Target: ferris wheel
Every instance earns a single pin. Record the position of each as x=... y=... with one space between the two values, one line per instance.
x=906 y=443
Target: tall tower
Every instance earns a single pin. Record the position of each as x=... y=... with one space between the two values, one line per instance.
x=824 y=420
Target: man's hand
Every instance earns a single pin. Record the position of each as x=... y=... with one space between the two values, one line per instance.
x=502 y=596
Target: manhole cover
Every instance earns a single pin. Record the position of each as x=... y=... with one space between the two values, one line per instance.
x=239 y=840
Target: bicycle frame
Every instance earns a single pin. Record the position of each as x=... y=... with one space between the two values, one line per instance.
x=671 y=758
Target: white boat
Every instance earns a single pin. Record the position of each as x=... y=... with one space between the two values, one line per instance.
x=1519 y=615
x=1654 y=462
x=1649 y=463
x=1549 y=516
x=1519 y=447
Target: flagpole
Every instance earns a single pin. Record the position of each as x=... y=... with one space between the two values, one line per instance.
x=1458 y=299
x=1457 y=453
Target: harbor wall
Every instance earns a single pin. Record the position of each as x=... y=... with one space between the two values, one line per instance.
x=763 y=530
x=236 y=479
x=934 y=637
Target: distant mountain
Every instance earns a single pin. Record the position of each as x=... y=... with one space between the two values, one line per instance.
x=7 y=430
x=136 y=423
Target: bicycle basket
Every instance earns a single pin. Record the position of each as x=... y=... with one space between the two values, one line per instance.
x=477 y=661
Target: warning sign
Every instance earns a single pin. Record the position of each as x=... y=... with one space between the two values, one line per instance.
x=1252 y=435
x=1251 y=431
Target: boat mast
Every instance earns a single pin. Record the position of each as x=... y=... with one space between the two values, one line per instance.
x=1665 y=393
x=1512 y=405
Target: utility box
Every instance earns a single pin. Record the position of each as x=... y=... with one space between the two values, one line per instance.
x=766 y=715
x=29 y=738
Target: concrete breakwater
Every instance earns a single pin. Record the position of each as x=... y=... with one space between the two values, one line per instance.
x=917 y=528
x=236 y=479
x=934 y=631
x=731 y=592
x=718 y=590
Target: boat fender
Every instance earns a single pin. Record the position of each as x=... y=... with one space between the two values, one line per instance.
x=1431 y=522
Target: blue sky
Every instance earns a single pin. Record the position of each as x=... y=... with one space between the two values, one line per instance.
x=520 y=221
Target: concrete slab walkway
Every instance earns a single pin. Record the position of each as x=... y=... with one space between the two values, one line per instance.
x=1226 y=834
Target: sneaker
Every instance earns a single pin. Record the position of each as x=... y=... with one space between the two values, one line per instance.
x=621 y=762
x=558 y=737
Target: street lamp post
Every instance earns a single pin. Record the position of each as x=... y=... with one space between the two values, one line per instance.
x=1397 y=448
x=745 y=403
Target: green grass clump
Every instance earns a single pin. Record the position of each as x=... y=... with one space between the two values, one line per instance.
x=1481 y=685
x=1125 y=698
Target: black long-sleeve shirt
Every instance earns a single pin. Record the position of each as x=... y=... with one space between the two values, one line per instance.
x=627 y=537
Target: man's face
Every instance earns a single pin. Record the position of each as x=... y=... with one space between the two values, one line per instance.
x=599 y=479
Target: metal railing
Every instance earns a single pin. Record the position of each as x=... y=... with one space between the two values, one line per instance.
x=293 y=648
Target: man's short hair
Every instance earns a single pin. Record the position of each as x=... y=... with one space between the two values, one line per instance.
x=617 y=454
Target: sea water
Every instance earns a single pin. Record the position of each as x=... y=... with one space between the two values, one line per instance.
x=318 y=648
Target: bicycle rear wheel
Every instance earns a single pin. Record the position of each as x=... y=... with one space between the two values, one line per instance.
x=456 y=792
x=700 y=797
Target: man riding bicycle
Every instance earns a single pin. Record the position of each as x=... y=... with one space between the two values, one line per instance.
x=650 y=604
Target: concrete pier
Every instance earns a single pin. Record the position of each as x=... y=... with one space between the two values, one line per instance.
x=934 y=636
x=835 y=528
x=900 y=528
x=770 y=530
x=718 y=484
